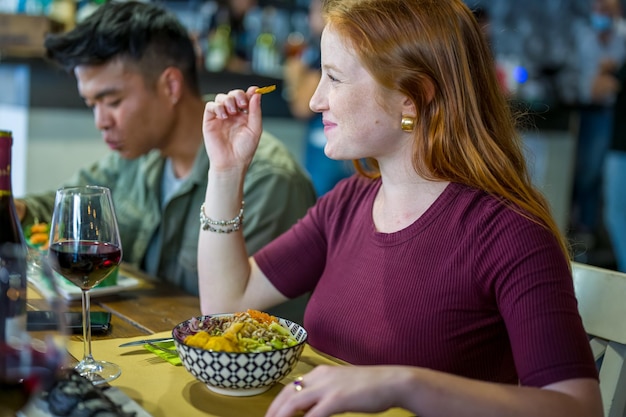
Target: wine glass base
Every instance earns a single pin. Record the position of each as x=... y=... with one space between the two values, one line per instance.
x=98 y=372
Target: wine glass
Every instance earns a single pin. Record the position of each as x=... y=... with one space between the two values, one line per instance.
x=85 y=248
x=32 y=357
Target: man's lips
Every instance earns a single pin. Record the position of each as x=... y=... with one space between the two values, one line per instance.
x=112 y=144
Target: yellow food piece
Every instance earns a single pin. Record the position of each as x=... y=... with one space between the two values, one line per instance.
x=197 y=340
x=234 y=328
x=226 y=343
x=265 y=90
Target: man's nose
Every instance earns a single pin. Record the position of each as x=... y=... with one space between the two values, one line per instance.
x=102 y=118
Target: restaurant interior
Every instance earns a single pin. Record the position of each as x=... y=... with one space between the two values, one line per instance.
x=531 y=43
x=54 y=133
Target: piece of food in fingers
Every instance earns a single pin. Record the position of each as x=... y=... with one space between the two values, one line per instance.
x=265 y=90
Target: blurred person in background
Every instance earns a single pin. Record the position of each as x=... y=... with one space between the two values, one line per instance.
x=614 y=175
x=484 y=20
x=601 y=51
x=231 y=17
x=255 y=36
x=136 y=69
x=438 y=269
x=302 y=73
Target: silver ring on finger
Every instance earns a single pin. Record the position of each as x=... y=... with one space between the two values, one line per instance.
x=298 y=384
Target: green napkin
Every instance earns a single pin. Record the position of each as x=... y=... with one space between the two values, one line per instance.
x=169 y=357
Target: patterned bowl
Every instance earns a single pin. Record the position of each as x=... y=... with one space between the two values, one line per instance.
x=237 y=374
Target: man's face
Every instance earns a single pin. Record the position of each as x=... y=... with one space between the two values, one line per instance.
x=132 y=115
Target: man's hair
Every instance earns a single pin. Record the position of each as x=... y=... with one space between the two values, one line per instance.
x=141 y=34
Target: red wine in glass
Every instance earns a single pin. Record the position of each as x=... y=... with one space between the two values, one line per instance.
x=84 y=263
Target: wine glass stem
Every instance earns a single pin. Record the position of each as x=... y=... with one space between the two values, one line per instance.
x=86 y=325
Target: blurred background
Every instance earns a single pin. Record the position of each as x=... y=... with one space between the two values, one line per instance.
x=242 y=42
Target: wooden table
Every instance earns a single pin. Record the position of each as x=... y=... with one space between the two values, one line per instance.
x=161 y=388
x=153 y=307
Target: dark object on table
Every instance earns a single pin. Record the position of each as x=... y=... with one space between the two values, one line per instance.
x=75 y=396
x=46 y=320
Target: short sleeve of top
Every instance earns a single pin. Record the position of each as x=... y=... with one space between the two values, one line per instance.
x=472 y=287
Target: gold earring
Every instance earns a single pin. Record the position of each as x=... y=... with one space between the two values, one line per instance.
x=407 y=123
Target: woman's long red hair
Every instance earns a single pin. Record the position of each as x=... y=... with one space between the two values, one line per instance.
x=466 y=132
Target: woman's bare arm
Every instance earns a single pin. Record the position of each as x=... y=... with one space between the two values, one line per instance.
x=228 y=280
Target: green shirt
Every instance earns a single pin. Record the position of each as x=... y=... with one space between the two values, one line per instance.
x=277 y=193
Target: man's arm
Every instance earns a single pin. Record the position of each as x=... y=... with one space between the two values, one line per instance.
x=35 y=208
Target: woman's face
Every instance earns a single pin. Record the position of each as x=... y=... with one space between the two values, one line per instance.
x=359 y=120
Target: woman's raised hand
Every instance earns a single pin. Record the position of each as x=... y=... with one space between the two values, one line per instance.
x=232 y=127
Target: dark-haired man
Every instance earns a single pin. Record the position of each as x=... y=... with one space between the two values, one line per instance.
x=135 y=67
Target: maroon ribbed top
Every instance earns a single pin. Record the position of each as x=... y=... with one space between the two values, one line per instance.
x=472 y=288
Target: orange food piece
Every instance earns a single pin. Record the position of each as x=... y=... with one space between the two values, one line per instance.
x=39 y=238
x=261 y=317
x=39 y=228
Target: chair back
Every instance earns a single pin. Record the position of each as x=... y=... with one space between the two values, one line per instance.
x=601 y=295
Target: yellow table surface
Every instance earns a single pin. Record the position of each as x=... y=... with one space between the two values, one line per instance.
x=165 y=390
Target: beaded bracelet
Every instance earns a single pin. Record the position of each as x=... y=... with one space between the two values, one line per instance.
x=208 y=223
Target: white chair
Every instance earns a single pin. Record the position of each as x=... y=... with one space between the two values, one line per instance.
x=601 y=295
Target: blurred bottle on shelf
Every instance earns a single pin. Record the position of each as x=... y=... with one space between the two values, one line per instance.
x=219 y=49
x=269 y=48
x=295 y=46
x=63 y=12
x=265 y=56
x=84 y=8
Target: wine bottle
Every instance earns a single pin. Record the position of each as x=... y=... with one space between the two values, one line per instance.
x=13 y=253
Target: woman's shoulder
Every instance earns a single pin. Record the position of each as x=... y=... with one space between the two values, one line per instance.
x=489 y=211
x=348 y=198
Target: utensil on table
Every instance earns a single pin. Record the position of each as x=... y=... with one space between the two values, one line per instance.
x=146 y=342
x=162 y=348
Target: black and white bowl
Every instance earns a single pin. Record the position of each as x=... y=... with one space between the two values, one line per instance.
x=238 y=374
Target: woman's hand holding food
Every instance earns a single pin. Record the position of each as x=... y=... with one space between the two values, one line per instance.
x=232 y=128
